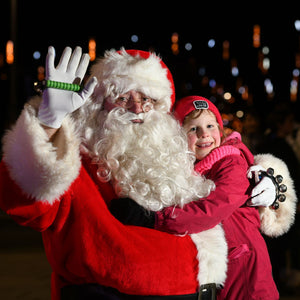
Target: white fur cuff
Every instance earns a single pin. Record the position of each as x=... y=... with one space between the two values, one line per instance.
x=32 y=160
x=212 y=255
x=277 y=222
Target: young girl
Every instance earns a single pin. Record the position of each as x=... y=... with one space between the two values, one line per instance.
x=224 y=160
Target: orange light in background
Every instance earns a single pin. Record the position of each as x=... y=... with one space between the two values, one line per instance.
x=297 y=60
x=92 y=49
x=10 y=52
x=225 y=53
x=294 y=90
x=256 y=36
x=175 y=46
x=1 y=60
x=41 y=73
x=174 y=38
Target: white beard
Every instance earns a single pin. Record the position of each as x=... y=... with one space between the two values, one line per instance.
x=148 y=162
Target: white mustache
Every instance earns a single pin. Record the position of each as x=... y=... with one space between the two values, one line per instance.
x=128 y=116
x=133 y=116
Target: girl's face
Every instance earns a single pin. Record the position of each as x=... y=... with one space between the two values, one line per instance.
x=203 y=134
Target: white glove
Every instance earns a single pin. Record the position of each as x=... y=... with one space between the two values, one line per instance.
x=264 y=193
x=58 y=103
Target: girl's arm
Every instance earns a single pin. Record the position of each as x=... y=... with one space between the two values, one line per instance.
x=232 y=191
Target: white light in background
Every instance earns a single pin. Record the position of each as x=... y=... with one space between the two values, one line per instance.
x=239 y=114
x=234 y=71
x=297 y=25
x=268 y=86
x=296 y=72
x=212 y=83
x=188 y=46
x=227 y=96
x=265 y=50
x=134 y=38
x=211 y=43
x=36 y=55
x=266 y=63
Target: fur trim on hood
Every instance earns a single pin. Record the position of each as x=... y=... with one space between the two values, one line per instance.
x=277 y=222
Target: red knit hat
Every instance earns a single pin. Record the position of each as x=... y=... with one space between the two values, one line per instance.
x=187 y=104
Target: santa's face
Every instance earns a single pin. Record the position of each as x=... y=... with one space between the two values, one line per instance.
x=142 y=151
x=133 y=101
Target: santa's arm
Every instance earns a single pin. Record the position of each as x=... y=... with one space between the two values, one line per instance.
x=32 y=164
x=275 y=222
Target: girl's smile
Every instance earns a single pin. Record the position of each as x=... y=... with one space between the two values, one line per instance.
x=203 y=134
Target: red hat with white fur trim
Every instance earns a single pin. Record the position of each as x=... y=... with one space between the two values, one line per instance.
x=187 y=104
x=121 y=71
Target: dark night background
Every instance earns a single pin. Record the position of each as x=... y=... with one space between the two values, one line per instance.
x=34 y=25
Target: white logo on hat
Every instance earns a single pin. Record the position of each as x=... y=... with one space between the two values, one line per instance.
x=200 y=104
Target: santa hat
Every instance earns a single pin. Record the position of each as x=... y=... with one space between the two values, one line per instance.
x=120 y=71
x=187 y=104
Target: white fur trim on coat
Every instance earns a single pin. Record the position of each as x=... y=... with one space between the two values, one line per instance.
x=277 y=222
x=32 y=160
x=212 y=255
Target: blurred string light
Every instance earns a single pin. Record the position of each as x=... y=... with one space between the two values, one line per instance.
x=36 y=55
x=10 y=52
x=256 y=36
x=239 y=114
x=211 y=43
x=269 y=87
x=225 y=53
x=296 y=73
x=265 y=50
x=227 y=96
x=293 y=90
x=234 y=71
x=1 y=61
x=234 y=68
x=174 y=45
x=92 y=49
x=202 y=71
x=40 y=73
x=294 y=85
x=297 y=60
x=212 y=83
x=188 y=46
x=264 y=61
x=134 y=38
x=297 y=25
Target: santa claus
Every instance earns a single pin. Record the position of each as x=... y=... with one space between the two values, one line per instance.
x=69 y=154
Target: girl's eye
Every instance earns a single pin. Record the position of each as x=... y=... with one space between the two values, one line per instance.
x=193 y=129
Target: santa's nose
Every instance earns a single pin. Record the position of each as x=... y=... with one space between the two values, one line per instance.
x=136 y=106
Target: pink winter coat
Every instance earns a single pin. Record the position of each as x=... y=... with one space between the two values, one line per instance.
x=249 y=273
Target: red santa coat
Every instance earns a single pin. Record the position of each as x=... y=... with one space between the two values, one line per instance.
x=84 y=243
x=249 y=274
x=57 y=194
